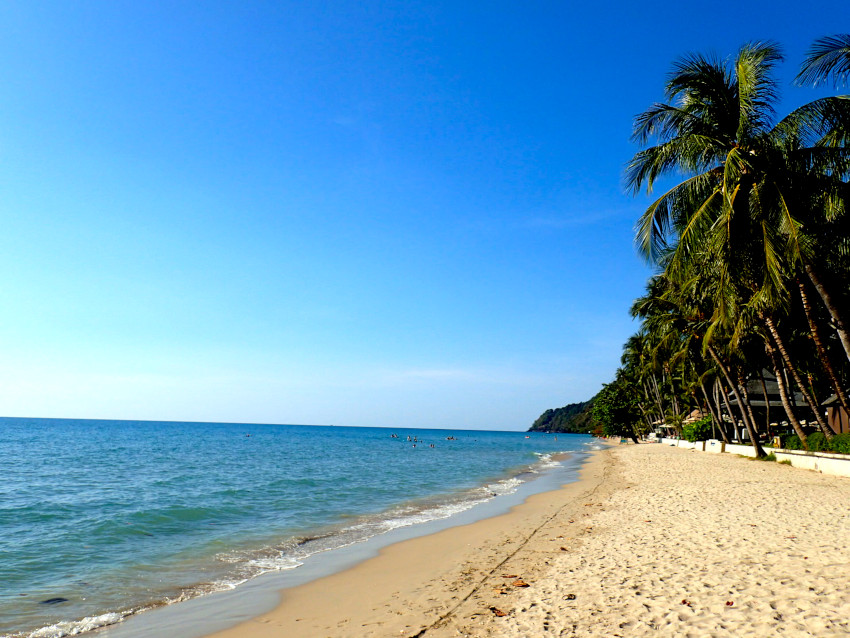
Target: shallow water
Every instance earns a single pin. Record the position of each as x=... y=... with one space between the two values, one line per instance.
x=117 y=516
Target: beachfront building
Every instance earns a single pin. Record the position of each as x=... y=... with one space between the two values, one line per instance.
x=836 y=415
x=766 y=403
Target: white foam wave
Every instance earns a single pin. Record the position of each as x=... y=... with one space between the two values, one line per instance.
x=73 y=628
x=275 y=564
x=399 y=516
x=294 y=553
x=430 y=514
x=505 y=486
x=545 y=462
x=404 y=517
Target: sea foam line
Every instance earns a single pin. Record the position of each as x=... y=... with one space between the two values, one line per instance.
x=73 y=628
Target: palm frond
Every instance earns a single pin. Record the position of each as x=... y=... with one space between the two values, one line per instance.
x=757 y=88
x=657 y=226
x=828 y=58
x=824 y=122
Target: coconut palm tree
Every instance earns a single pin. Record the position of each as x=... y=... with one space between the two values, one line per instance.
x=828 y=61
x=762 y=205
x=677 y=311
x=760 y=196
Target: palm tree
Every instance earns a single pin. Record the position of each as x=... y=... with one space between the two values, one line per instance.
x=638 y=364
x=762 y=202
x=828 y=60
x=677 y=311
x=759 y=194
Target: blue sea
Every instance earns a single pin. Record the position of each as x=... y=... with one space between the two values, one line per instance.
x=102 y=519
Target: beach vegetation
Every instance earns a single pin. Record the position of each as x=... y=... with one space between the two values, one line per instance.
x=793 y=442
x=616 y=410
x=840 y=443
x=817 y=442
x=698 y=430
x=743 y=321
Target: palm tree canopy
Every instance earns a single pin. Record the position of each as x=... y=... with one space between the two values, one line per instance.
x=755 y=192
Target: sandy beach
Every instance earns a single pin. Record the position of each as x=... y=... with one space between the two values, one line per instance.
x=652 y=540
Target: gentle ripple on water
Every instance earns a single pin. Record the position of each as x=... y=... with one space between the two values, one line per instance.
x=115 y=516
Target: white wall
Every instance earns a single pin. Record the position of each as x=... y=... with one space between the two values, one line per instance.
x=824 y=462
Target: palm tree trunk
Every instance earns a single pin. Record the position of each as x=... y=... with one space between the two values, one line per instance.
x=742 y=383
x=780 y=344
x=783 y=392
x=714 y=418
x=766 y=403
x=673 y=398
x=658 y=397
x=650 y=396
x=717 y=391
x=837 y=316
x=645 y=415
x=822 y=353
x=729 y=412
x=750 y=430
x=646 y=393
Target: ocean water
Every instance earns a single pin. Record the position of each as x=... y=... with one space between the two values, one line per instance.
x=103 y=519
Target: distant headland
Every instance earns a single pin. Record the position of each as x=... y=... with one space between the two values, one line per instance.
x=573 y=417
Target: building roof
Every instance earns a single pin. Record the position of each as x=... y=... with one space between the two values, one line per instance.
x=757 y=395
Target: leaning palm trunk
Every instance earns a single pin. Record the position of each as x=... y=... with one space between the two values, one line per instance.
x=658 y=398
x=822 y=353
x=673 y=398
x=831 y=306
x=645 y=415
x=717 y=391
x=714 y=419
x=807 y=396
x=747 y=424
x=766 y=404
x=783 y=392
x=731 y=414
x=745 y=395
x=651 y=398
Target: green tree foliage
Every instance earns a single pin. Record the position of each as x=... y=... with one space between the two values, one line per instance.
x=698 y=430
x=817 y=442
x=573 y=417
x=616 y=409
x=751 y=244
x=840 y=444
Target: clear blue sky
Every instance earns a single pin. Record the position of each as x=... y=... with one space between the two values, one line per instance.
x=349 y=212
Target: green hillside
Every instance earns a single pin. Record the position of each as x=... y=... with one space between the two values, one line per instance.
x=573 y=417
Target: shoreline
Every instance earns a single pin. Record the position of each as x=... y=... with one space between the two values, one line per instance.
x=176 y=534
x=417 y=585
x=652 y=540
x=204 y=615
